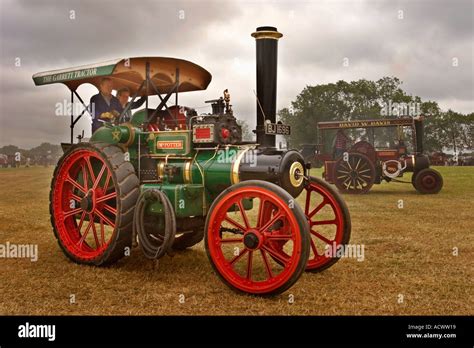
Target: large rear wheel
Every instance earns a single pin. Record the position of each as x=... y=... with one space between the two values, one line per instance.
x=93 y=195
x=243 y=223
x=354 y=174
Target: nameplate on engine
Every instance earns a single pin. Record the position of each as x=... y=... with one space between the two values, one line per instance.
x=176 y=144
x=277 y=128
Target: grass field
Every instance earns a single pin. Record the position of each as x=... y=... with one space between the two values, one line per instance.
x=409 y=256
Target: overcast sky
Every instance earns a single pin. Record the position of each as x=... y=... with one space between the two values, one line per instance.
x=427 y=44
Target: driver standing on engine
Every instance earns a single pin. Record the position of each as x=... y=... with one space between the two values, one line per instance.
x=105 y=105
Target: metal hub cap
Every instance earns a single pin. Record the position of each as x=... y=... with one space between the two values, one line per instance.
x=251 y=240
x=87 y=202
x=429 y=181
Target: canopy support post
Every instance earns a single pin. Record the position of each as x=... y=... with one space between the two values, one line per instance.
x=413 y=138
x=72 y=117
x=163 y=101
x=177 y=87
x=86 y=108
x=176 y=93
x=147 y=79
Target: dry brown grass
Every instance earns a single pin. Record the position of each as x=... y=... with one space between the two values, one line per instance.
x=407 y=251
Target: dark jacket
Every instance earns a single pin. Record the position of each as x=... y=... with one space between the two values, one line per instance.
x=100 y=106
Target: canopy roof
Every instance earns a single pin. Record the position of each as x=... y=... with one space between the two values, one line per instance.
x=131 y=72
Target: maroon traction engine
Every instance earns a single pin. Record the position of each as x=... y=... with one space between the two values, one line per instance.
x=362 y=165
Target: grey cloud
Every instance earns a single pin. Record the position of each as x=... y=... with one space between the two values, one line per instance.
x=452 y=18
x=216 y=34
x=40 y=30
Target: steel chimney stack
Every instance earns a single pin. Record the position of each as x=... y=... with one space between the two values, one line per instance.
x=267 y=61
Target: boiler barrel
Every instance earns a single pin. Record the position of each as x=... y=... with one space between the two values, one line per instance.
x=284 y=168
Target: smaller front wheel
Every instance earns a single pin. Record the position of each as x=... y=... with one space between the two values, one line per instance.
x=242 y=227
x=427 y=181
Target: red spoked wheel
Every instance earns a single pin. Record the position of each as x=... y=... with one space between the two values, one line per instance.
x=243 y=222
x=93 y=194
x=330 y=224
x=355 y=174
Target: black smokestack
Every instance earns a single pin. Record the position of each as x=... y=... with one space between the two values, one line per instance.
x=419 y=134
x=267 y=61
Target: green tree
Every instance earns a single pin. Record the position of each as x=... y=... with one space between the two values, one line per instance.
x=433 y=126
x=10 y=149
x=455 y=131
x=46 y=149
x=364 y=99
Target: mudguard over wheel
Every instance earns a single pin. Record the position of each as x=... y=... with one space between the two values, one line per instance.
x=427 y=181
x=243 y=223
x=93 y=195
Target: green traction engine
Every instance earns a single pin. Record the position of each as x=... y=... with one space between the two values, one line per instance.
x=168 y=178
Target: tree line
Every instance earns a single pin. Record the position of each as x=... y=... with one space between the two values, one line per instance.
x=365 y=99
x=45 y=153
